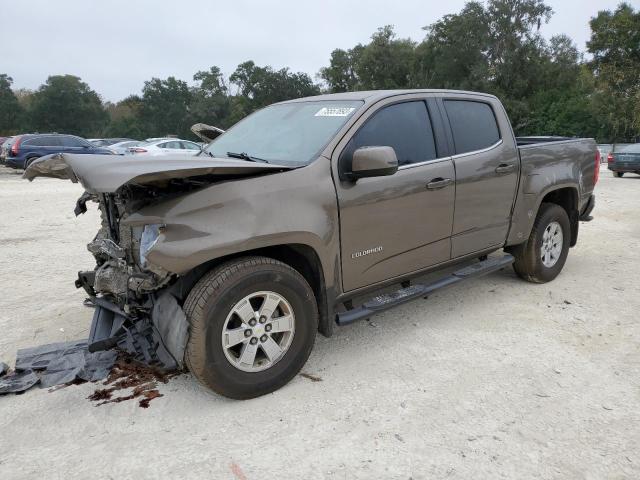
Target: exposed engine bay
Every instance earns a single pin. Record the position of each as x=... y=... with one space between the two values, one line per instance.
x=131 y=311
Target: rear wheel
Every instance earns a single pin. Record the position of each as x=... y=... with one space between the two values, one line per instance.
x=618 y=174
x=253 y=323
x=29 y=161
x=541 y=259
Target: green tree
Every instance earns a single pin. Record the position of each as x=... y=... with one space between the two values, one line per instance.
x=386 y=62
x=10 y=108
x=66 y=104
x=125 y=119
x=210 y=101
x=165 y=107
x=262 y=86
x=341 y=74
x=454 y=53
x=615 y=46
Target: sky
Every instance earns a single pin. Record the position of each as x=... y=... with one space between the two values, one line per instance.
x=116 y=45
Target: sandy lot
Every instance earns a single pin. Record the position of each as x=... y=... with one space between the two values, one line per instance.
x=497 y=379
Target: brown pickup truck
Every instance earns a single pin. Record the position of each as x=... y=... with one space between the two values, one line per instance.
x=315 y=213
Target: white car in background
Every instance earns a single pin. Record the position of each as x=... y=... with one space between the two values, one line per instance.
x=121 y=148
x=163 y=146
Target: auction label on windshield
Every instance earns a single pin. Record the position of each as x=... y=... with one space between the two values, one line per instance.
x=334 y=111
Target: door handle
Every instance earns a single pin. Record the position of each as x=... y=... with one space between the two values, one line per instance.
x=505 y=168
x=438 y=183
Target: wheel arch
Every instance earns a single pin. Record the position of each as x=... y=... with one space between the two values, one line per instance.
x=528 y=206
x=567 y=198
x=301 y=257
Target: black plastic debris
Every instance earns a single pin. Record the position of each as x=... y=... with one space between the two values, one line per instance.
x=4 y=368
x=78 y=365
x=18 y=382
x=57 y=364
x=38 y=358
x=111 y=328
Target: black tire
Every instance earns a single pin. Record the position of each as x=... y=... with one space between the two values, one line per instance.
x=529 y=265
x=213 y=298
x=618 y=174
x=29 y=161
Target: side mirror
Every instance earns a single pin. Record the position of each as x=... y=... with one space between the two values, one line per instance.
x=372 y=162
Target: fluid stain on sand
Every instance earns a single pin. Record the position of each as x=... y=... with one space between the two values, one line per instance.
x=127 y=374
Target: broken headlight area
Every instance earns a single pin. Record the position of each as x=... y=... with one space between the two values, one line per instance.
x=134 y=311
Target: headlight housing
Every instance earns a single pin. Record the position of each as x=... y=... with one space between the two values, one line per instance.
x=149 y=238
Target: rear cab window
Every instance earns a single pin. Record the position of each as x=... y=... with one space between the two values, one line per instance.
x=473 y=125
x=406 y=127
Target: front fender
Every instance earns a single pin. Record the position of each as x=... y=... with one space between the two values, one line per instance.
x=293 y=207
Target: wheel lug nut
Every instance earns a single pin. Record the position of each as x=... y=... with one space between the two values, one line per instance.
x=268 y=328
x=263 y=319
x=252 y=322
x=253 y=341
x=263 y=338
x=247 y=332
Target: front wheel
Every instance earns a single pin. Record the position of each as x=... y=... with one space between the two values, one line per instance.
x=252 y=327
x=541 y=259
x=618 y=174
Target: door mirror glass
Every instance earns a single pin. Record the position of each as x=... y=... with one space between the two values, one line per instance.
x=373 y=162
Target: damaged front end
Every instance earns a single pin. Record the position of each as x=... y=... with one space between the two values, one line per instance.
x=133 y=309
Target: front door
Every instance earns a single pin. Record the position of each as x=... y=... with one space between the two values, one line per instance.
x=394 y=225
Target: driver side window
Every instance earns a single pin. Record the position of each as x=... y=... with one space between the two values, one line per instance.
x=404 y=126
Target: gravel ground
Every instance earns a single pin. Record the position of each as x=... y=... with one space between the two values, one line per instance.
x=496 y=379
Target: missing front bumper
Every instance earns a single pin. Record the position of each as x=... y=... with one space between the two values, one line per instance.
x=157 y=341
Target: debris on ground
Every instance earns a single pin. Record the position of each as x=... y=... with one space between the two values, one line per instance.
x=18 y=382
x=4 y=368
x=313 y=378
x=128 y=373
x=63 y=362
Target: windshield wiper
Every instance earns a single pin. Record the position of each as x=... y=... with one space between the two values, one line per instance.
x=245 y=156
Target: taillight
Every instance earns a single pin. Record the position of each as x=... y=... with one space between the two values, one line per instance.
x=596 y=174
x=15 y=146
x=610 y=157
x=137 y=150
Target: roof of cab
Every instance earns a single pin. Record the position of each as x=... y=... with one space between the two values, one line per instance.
x=375 y=95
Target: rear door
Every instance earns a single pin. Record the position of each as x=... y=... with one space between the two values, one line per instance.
x=487 y=168
x=394 y=225
x=190 y=147
x=74 y=144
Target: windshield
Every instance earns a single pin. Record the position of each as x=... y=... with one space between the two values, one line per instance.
x=291 y=134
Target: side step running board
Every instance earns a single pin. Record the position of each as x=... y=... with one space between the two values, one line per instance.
x=420 y=290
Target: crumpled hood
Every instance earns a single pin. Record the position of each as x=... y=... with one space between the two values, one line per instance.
x=107 y=173
x=206 y=132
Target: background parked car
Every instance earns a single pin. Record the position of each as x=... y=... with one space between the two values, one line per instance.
x=106 y=142
x=158 y=147
x=605 y=149
x=4 y=148
x=624 y=159
x=121 y=148
x=25 y=149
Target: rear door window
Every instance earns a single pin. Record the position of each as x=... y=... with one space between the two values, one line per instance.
x=473 y=125
x=404 y=126
x=71 y=142
x=190 y=146
x=44 y=141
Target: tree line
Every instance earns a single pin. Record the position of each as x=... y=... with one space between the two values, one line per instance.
x=547 y=86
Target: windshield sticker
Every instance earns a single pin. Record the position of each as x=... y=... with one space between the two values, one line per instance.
x=334 y=111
